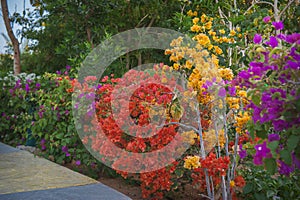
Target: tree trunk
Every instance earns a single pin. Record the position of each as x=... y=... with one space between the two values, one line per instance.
x=14 y=40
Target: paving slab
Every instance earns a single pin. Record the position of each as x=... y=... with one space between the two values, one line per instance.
x=26 y=176
x=86 y=192
x=6 y=149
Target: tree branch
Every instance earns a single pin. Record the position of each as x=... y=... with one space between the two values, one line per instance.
x=257 y=2
x=286 y=7
x=14 y=40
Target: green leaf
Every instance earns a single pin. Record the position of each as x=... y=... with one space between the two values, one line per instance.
x=248 y=188
x=262 y=134
x=270 y=164
x=179 y=173
x=251 y=129
x=256 y=99
x=259 y=196
x=273 y=145
x=286 y=156
x=270 y=193
x=60 y=136
x=292 y=142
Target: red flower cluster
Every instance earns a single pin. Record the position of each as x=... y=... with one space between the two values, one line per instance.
x=154 y=183
x=124 y=113
x=216 y=167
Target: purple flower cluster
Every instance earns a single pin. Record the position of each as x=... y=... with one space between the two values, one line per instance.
x=242 y=152
x=257 y=38
x=278 y=25
x=43 y=146
x=277 y=96
x=286 y=169
x=273 y=137
x=28 y=86
x=262 y=151
x=66 y=151
x=255 y=72
x=270 y=109
x=266 y=19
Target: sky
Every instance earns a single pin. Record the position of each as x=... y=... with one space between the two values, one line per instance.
x=13 y=6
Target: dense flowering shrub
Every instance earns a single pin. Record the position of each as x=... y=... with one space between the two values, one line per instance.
x=273 y=84
x=150 y=101
x=40 y=107
x=15 y=90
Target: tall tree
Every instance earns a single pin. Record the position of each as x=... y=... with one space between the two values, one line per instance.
x=64 y=31
x=14 y=40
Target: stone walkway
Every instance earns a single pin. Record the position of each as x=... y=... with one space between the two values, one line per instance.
x=26 y=176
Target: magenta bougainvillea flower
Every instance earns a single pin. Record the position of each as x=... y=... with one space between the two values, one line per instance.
x=293 y=38
x=78 y=162
x=262 y=151
x=278 y=25
x=257 y=38
x=266 y=19
x=242 y=152
x=27 y=88
x=232 y=91
x=273 y=42
x=43 y=146
x=273 y=137
x=284 y=169
x=66 y=150
x=222 y=92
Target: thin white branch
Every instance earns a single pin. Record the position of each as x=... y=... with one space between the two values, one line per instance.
x=257 y=2
x=180 y=124
x=286 y=7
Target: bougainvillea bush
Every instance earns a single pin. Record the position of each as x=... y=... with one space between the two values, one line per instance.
x=16 y=107
x=40 y=109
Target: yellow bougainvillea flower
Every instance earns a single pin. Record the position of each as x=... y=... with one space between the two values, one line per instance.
x=208 y=25
x=168 y=52
x=196 y=20
x=188 y=64
x=218 y=50
x=222 y=31
x=203 y=18
x=192 y=14
x=195 y=28
x=241 y=121
x=190 y=137
x=232 y=183
x=202 y=39
x=232 y=33
x=233 y=102
x=226 y=73
x=192 y=162
x=215 y=38
x=212 y=33
x=176 y=66
x=176 y=42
